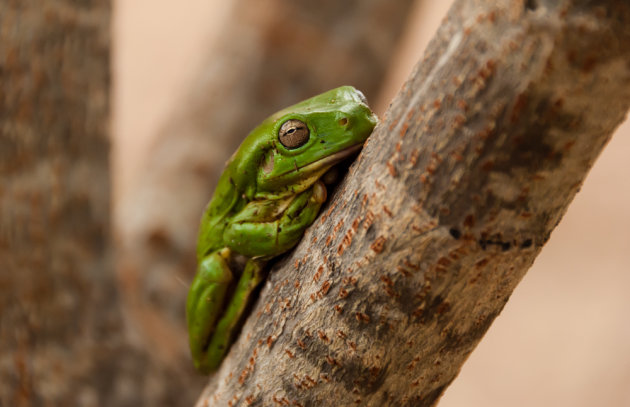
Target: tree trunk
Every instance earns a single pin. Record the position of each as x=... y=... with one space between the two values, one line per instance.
x=453 y=197
x=61 y=333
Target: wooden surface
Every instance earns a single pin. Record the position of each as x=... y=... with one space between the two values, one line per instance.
x=452 y=199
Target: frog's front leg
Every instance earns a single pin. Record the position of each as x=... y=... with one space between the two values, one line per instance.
x=259 y=232
x=253 y=233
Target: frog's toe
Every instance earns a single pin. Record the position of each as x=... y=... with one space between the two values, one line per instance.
x=319 y=192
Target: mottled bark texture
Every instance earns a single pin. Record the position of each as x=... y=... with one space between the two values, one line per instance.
x=270 y=54
x=61 y=330
x=455 y=194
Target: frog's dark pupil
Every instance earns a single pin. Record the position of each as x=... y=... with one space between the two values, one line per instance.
x=293 y=134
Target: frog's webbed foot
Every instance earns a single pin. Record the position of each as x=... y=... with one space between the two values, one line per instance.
x=251 y=236
x=305 y=206
x=299 y=216
x=204 y=304
x=231 y=318
x=212 y=318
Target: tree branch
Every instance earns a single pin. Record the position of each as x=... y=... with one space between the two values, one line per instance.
x=447 y=207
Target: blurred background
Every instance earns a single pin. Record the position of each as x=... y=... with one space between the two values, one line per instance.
x=191 y=81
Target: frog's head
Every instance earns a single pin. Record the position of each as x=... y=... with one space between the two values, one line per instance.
x=304 y=141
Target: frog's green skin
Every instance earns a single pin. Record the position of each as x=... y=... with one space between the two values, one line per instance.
x=266 y=197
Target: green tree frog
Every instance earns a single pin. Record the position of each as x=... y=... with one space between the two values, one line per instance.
x=268 y=194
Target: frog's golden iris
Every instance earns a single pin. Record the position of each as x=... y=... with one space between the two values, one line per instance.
x=293 y=134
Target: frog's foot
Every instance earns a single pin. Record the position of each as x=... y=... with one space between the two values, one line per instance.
x=204 y=304
x=319 y=193
x=304 y=208
x=231 y=319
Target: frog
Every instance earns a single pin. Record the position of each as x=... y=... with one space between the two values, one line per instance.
x=270 y=192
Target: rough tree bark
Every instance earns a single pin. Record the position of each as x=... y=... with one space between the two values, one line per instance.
x=453 y=197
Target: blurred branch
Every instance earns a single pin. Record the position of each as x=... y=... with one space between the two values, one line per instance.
x=62 y=337
x=449 y=204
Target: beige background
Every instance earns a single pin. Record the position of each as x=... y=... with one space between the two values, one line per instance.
x=563 y=338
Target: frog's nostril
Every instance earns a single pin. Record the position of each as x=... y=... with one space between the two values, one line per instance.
x=343 y=121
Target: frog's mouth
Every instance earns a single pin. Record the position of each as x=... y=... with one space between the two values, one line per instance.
x=299 y=178
x=330 y=160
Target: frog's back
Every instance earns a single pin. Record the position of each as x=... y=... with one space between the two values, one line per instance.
x=216 y=216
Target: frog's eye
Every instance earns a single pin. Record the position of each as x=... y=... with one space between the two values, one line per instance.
x=293 y=134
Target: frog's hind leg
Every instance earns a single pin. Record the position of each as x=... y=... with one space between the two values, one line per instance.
x=204 y=304
x=229 y=322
